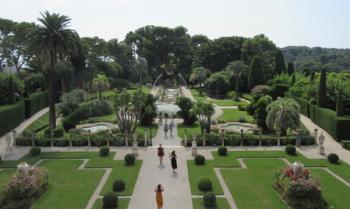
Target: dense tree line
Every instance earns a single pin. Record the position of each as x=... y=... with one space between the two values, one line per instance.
x=313 y=59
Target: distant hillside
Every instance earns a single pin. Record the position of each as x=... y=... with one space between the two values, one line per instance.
x=315 y=58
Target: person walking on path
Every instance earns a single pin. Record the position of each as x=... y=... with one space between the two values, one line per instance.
x=173 y=160
x=166 y=128
x=160 y=154
x=160 y=118
x=171 y=127
x=159 y=196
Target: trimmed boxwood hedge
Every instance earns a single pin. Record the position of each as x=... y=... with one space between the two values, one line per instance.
x=11 y=116
x=35 y=102
x=336 y=126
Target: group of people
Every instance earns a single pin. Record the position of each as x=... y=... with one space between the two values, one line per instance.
x=167 y=127
x=159 y=189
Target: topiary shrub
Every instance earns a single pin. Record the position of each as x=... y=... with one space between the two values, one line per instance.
x=290 y=149
x=333 y=158
x=110 y=200
x=209 y=200
x=35 y=151
x=199 y=160
x=129 y=159
x=118 y=185
x=104 y=151
x=222 y=151
x=205 y=185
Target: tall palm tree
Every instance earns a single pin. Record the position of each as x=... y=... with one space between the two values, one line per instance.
x=101 y=82
x=54 y=41
x=283 y=114
x=199 y=74
x=236 y=69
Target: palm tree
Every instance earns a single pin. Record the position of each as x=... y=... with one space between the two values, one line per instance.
x=101 y=81
x=283 y=114
x=236 y=69
x=204 y=111
x=54 y=41
x=199 y=74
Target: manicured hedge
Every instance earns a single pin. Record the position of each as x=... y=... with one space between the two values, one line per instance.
x=11 y=116
x=336 y=126
x=35 y=102
x=232 y=139
x=279 y=90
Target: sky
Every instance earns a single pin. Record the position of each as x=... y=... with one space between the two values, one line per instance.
x=311 y=23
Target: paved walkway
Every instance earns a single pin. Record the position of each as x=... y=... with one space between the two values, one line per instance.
x=330 y=144
x=176 y=185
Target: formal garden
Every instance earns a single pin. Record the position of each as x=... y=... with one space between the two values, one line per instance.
x=254 y=126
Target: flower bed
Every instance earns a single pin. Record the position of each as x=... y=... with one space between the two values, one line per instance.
x=24 y=188
x=299 y=189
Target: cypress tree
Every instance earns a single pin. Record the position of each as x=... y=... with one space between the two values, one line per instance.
x=255 y=76
x=340 y=104
x=280 y=65
x=290 y=68
x=293 y=78
x=322 y=89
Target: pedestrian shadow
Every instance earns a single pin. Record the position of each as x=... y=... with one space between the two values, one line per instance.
x=174 y=175
x=161 y=167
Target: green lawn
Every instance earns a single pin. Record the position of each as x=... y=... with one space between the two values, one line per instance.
x=221 y=203
x=224 y=102
x=122 y=204
x=234 y=115
x=252 y=187
x=197 y=96
x=4 y=177
x=71 y=188
x=40 y=124
x=194 y=129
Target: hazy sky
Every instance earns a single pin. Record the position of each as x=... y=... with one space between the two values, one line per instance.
x=323 y=23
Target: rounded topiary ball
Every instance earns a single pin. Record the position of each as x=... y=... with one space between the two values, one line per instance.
x=205 y=185
x=333 y=158
x=199 y=160
x=209 y=200
x=222 y=151
x=104 y=151
x=291 y=150
x=35 y=151
x=110 y=200
x=129 y=159
x=118 y=185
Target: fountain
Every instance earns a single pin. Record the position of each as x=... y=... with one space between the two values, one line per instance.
x=166 y=103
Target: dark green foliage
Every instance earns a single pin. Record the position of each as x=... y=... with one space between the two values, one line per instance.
x=340 y=105
x=199 y=160
x=209 y=200
x=35 y=151
x=205 y=185
x=222 y=151
x=333 y=158
x=57 y=132
x=110 y=200
x=260 y=112
x=280 y=65
x=336 y=126
x=293 y=79
x=35 y=102
x=290 y=149
x=322 y=90
x=279 y=90
x=11 y=98
x=11 y=116
x=290 y=68
x=104 y=151
x=129 y=159
x=118 y=185
x=149 y=111
x=9 y=85
x=186 y=104
x=69 y=122
x=217 y=84
x=255 y=74
x=120 y=84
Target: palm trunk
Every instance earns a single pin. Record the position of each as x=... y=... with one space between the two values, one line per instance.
x=51 y=92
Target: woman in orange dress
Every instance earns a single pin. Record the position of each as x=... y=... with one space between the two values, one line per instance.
x=159 y=196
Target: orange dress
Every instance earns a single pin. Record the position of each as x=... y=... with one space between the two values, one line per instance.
x=159 y=199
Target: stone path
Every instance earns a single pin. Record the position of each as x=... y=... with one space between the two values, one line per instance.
x=177 y=192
